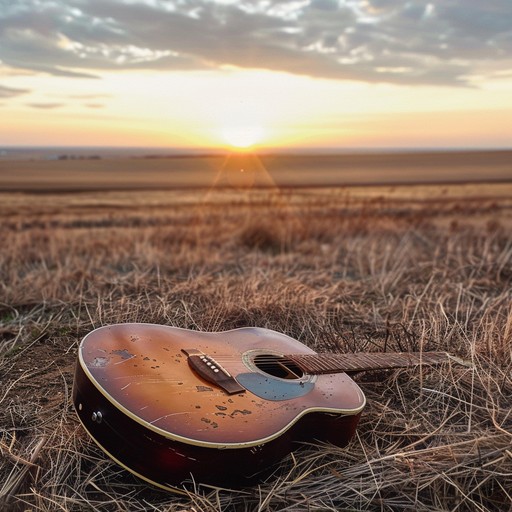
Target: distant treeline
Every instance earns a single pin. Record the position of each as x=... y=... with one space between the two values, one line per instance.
x=79 y=157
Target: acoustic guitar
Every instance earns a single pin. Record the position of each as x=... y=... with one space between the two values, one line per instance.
x=172 y=405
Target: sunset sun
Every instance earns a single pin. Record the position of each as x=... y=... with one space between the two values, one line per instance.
x=243 y=137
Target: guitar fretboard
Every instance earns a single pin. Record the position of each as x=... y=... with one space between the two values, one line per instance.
x=317 y=364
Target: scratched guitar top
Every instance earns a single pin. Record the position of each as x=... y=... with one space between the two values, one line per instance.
x=143 y=370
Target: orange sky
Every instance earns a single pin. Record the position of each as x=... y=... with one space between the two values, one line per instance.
x=205 y=73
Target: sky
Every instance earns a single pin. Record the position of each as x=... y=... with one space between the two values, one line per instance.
x=262 y=73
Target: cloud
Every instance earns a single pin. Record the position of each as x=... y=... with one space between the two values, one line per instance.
x=49 y=106
x=10 y=92
x=88 y=96
x=398 y=41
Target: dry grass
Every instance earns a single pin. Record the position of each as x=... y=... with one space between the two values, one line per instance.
x=338 y=269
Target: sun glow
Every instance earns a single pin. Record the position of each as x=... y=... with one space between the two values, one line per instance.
x=243 y=137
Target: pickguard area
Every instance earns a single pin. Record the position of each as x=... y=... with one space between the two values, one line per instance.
x=274 y=389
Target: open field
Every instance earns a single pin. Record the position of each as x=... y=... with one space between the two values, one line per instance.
x=341 y=269
x=84 y=170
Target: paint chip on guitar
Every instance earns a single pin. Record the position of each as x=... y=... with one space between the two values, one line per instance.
x=99 y=362
x=123 y=353
x=239 y=411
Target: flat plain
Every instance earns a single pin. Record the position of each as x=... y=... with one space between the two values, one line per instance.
x=79 y=170
x=341 y=268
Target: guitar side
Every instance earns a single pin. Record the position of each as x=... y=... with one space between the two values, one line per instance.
x=139 y=399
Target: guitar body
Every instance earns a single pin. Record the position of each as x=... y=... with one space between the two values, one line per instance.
x=172 y=405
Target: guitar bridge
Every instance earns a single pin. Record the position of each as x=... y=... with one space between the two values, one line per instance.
x=211 y=371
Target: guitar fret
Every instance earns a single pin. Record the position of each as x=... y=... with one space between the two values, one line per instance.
x=323 y=365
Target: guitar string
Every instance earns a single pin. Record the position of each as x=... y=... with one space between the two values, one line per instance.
x=330 y=354
x=320 y=356
x=335 y=358
x=334 y=362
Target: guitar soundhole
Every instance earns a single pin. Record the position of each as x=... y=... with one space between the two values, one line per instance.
x=277 y=366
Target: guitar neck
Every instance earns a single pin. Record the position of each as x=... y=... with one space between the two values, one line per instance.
x=317 y=364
